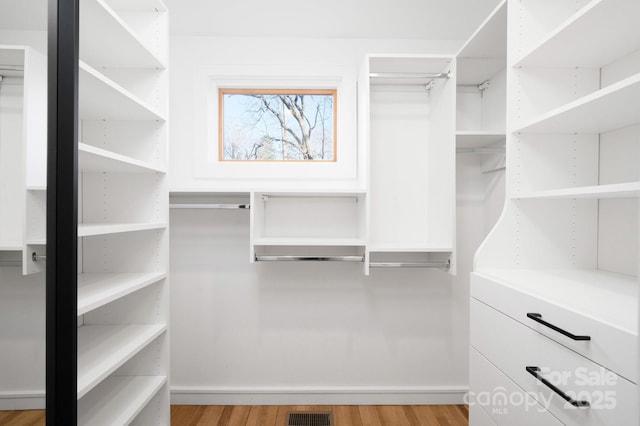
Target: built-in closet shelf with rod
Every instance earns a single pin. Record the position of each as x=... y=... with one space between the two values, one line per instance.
x=23 y=112
x=98 y=289
x=104 y=348
x=102 y=99
x=93 y=159
x=125 y=397
x=123 y=47
x=88 y=230
x=617 y=190
x=612 y=107
x=595 y=36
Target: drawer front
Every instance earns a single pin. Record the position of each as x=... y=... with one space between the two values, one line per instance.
x=512 y=347
x=606 y=341
x=495 y=399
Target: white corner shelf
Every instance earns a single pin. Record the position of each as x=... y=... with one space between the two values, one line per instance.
x=104 y=348
x=484 y=53
x=88 y=230
x=98 y=289
x=613 y=107
x=125 y=396
x=478 y=139
x=121 y=49
x=595 y=36
x=617 y=190
x=102 y=99
x=93 y=159
x=589 y=291
x=488 y=41
x=309 y=241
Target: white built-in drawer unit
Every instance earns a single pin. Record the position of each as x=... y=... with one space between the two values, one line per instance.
x=573 y=301
x=600 y=371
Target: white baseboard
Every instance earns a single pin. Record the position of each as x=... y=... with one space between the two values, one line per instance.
x=25 y=400
x=358 y=395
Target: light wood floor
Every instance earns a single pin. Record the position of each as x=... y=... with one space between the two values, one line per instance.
x=272 y=415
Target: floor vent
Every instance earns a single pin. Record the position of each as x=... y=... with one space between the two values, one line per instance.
x=309 y=418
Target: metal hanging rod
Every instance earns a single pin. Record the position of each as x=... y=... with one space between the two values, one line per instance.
x=37 y=258
x=4 y=67
x=310 y=258
x=444 y=265
x=210 y=206
x=446 y=75
x=18 y=263
x=497 y=169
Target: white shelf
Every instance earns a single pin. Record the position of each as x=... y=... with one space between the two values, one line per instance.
x=10 y=246
x=118 y=400
x=613 y=107
x=599 y=33
x=478 y=139
x=102 y=99
x=490 y=39
x=36 y=188
x=309 y=241
x=618 y=190
x=157 y=5
x=92 y=159
x=397 y=248
x=88 y=230
x=587 y=291
x=122 y=48
x=36 y=241
x=104 y=348
x=95 y=290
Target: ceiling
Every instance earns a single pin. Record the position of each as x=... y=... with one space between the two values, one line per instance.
x=397 y=19
x=394 y=19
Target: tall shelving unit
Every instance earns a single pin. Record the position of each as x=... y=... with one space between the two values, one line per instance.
x=569 y=231
x=22 y=155
x=123 y=213
x=482 y=88
x=481 y=98
x=407 y=116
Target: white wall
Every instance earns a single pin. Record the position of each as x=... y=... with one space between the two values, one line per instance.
x=319 y=332
x=193 y=57
x=307 y=332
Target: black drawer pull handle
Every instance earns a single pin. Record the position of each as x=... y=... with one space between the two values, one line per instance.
x=538 y=318
x=576 y=403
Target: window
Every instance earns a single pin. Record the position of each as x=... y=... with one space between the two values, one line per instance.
x=277 y=124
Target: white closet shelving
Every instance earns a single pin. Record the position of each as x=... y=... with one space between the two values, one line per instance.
x=305 y=224
x=407 y=116
x=579 y=138
x=481 y=91
x=22 y=154
x=123 y=214
x=569 y=232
